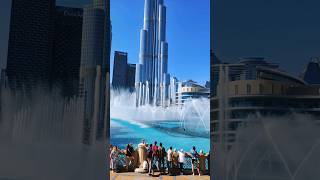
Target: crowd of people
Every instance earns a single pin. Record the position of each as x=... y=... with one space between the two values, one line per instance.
x=157 y=156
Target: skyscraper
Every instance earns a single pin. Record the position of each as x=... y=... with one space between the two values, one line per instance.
x=95 y=56
x=123 y=72
x=120 y=68
x=131 y=71
x=30 y=43
x=152 y=79
x=67 y=49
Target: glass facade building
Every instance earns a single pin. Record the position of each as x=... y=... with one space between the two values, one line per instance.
x=123 y=72
x=152 y=79
x=30 y=43
x=94 y=69
x=67 y=50
x=120 y=69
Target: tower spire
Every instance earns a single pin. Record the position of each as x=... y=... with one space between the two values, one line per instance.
x=151 y=72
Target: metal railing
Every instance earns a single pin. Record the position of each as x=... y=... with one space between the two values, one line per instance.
x=186 y=166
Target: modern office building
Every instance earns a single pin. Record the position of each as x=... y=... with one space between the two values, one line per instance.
x=44 y=48
x=30 y=43
x=67 y=50
x=152 y=78
x=255 y=88
x=131 y=73
x=94 y=69
x=120 y=68
x=123 y=72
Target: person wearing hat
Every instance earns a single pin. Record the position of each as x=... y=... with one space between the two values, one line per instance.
x=181 y=160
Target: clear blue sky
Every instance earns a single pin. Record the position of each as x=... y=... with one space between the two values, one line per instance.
x=285 y=31
x=188 y=35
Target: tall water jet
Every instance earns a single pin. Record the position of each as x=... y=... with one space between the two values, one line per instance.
x=191 y=118
x=264 y=151
x=38 y=131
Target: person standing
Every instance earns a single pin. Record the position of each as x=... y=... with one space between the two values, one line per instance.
x=181 y=160
x=155 y=158
x=202 y=161
x=129 y=156
x=169 y=159
x=149 y=159
x=194 y=160
x=162 y=154
x=175 y=163
x=114 y=156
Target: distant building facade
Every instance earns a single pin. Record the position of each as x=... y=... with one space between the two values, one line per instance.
x=123 y=73
x=192 y=90
x=253 y=87
x=152 y=77
x=182 y=91
x=312 y=72
x=94 y=73
x=44 y=47
x=120 y=68
x=67 y=50
x=131 y=72
x=30 y=43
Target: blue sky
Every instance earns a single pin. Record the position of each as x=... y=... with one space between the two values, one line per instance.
x=285 y=31
x=188 y=35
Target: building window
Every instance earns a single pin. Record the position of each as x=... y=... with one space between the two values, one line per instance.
x=260 y=89
x=236 y=89
x=248 y=89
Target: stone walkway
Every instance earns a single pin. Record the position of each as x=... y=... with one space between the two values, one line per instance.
x=137 y=176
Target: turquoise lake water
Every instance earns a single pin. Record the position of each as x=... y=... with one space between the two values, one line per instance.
x=124 y=132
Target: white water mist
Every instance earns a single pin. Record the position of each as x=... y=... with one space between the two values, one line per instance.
x=193 y=116
x=271 y=148
x=41 y=138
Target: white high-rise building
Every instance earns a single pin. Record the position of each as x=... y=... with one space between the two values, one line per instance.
x=152 y=78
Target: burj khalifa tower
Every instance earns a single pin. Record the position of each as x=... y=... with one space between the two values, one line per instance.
x=152 y=79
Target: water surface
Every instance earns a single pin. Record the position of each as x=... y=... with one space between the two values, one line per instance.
x=123 y=132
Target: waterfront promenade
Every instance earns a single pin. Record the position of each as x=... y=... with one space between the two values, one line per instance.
x=137 y=176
